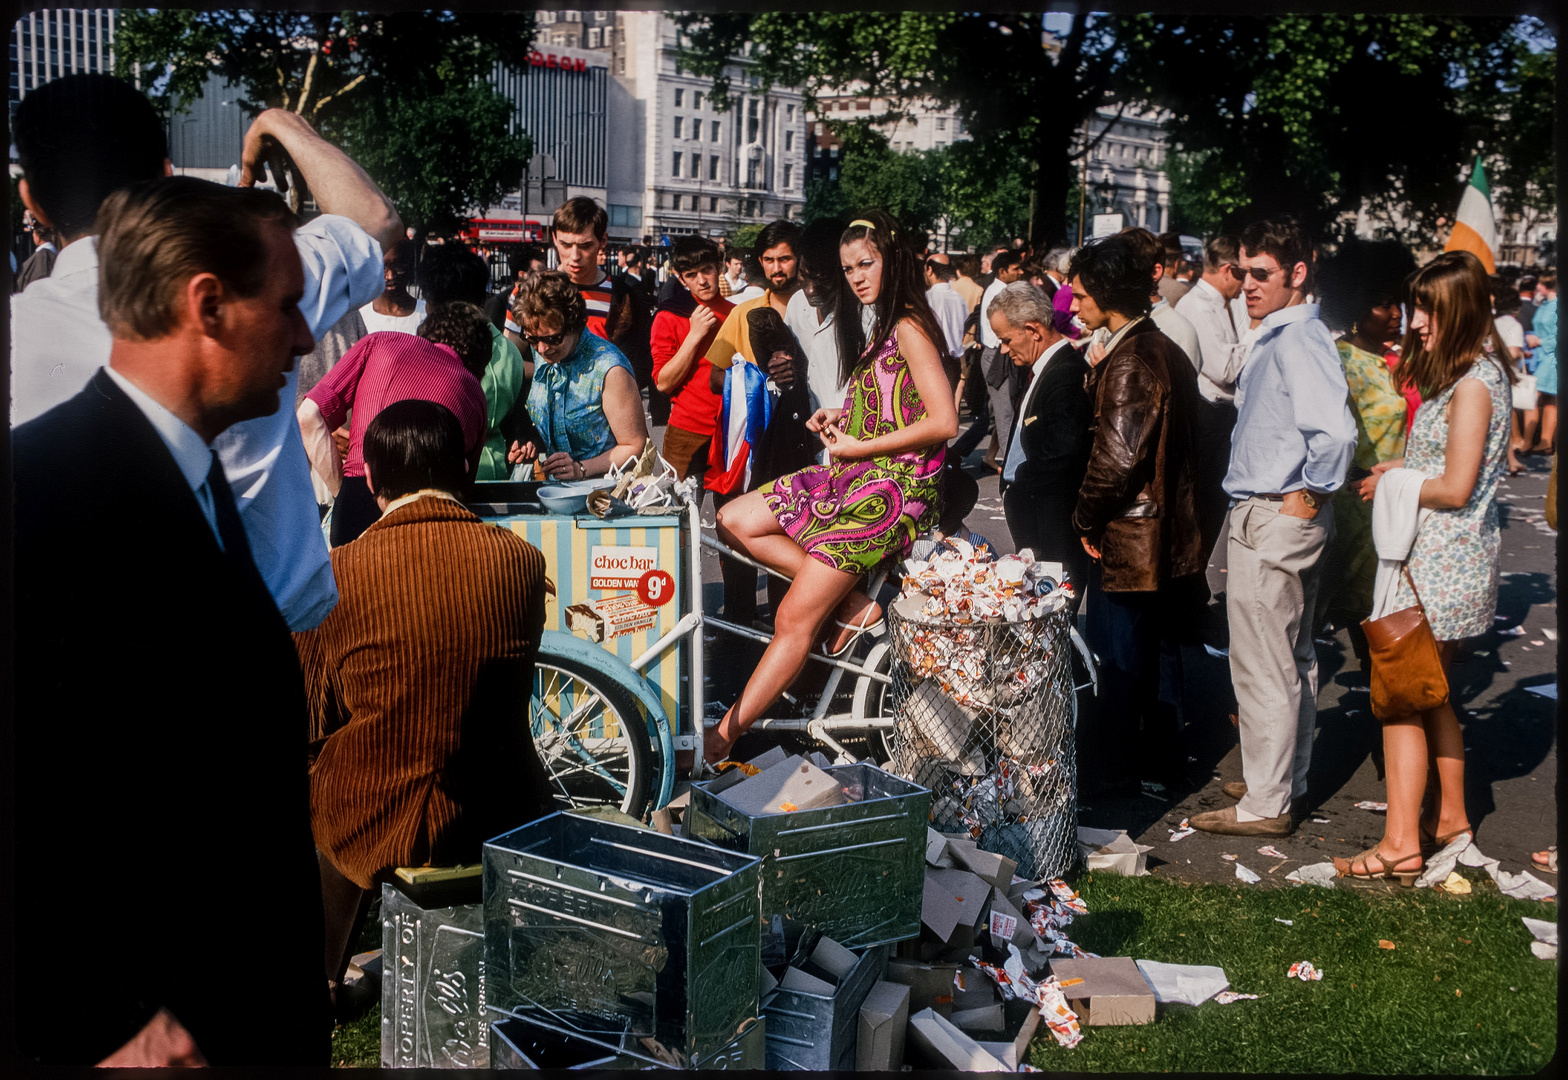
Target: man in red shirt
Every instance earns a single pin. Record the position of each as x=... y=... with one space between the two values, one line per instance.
x=683 y=329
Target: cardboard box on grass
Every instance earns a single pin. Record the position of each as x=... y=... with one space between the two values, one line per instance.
x=884 y=1016
x=930 y=985
x=1011 y=1045
x=1113 y=852
x=942 y=1045
x=1106 y=991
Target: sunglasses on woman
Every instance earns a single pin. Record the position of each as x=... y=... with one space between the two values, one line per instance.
x=1258 y=273
x=549 y=341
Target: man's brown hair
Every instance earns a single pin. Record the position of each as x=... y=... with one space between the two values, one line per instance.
x=464 y=329
x=549 y=297
x=157 y=235
x=581 y=215
x=1285 y=241
x=1220 y=252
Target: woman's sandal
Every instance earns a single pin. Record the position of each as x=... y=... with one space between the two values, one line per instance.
x=1407 y=878
x=860 y=628
x=1546 y=860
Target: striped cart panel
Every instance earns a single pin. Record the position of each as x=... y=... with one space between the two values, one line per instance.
x=596 y=566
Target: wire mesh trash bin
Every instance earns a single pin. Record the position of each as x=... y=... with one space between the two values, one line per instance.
x=983 y=716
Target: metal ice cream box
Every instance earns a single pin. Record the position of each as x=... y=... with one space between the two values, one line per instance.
x=432 y=983
x=856 y=871
x=623 y=932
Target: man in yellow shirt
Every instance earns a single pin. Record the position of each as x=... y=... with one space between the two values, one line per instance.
x=777 y=249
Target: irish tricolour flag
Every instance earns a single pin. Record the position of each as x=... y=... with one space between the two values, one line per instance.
x=1475 y=231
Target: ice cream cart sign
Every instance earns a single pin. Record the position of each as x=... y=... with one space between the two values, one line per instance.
x=620 y=567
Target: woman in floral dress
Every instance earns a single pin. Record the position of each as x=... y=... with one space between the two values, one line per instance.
x=1460 y=442
x=827 y=525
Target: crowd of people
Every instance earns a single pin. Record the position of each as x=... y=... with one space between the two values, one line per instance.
x=1307 y=438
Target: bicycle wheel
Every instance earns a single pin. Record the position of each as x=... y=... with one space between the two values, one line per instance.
x=591 y=736
x=873 y=701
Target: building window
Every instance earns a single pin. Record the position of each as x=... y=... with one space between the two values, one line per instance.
x=843 y=106
x=833 y=172
x=574 y=16
x=696 y=170
x=752 y=122
x=789 y=141
x=547 y=17
x=679 y=94
x=601 y=16
x=557 y=38
x=677 y=127
x=620 y=64
x=713 y=167
x=696 y=99
x=625 y=215
x=675 y=170
x=595 y=37
x=833 y=152
x=816 y=151
x=751 y=173
x=789 y=176
x=863 y=105
x=789 y=113
x=713 y=131
x=713 y=202
x=941 y=123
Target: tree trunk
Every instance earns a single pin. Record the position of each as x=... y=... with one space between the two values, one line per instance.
x=1053 y=178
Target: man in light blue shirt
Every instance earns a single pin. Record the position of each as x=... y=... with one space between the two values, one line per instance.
x=1292 y=444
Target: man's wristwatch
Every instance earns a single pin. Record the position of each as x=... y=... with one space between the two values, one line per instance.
x=1313 y=501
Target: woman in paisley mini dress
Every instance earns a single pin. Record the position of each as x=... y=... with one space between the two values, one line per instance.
x=827 y=525
x=1459 y=440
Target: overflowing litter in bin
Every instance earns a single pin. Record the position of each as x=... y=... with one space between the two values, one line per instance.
x=964 y=583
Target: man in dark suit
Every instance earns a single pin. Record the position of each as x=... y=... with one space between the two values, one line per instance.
x=1137 y=514
x=1049 y=448
x=162 y=802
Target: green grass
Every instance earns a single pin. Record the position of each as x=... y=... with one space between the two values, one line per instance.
x=357 y=1044
x=1460 y=993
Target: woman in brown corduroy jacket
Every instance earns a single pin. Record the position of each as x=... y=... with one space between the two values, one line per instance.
x=419 y=679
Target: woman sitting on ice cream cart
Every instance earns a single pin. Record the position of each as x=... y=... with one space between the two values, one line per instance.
x=584 y=400
x=827 y=525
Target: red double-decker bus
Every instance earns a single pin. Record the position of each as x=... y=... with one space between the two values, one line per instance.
x=490 y=231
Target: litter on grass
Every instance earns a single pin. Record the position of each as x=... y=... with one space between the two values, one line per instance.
x=1384 y=943
x=1272 y=852
x=1322 y=874
x=1246 y=875
x=1287 y=922
x=1375 y=807
x=1225 y=997
x=1456 y=884
x=1183 y=984
x=1303 y=970
x=1545 y=943
x=1521 y=886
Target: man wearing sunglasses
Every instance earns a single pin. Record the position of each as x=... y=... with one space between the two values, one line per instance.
x=1293 y=441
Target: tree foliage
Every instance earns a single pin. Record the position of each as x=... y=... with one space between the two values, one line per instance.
x=1323 y=115
x=1312 y=115
x=403 y=92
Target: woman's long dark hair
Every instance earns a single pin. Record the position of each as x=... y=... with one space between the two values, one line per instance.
x=902 y=296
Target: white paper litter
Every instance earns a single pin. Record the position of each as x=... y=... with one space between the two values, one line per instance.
x=1377 y=807
x=1546 y=690
x=1551 y=635
x=1272 y=852
x=1182 y=831
x=1545 y=943
x=1521 y=886
x=1246 y=875
x=1322 y=874
x=1511 y=631
x=1543 y=950
x=1287 y=922
x=1228 y=858
x=1183 y=984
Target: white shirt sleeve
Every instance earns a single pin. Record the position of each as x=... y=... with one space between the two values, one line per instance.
x=343 y=270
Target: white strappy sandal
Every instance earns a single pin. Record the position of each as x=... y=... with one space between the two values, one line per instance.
x=860 y=628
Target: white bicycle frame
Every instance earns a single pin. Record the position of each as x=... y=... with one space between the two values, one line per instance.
x=820 y=725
